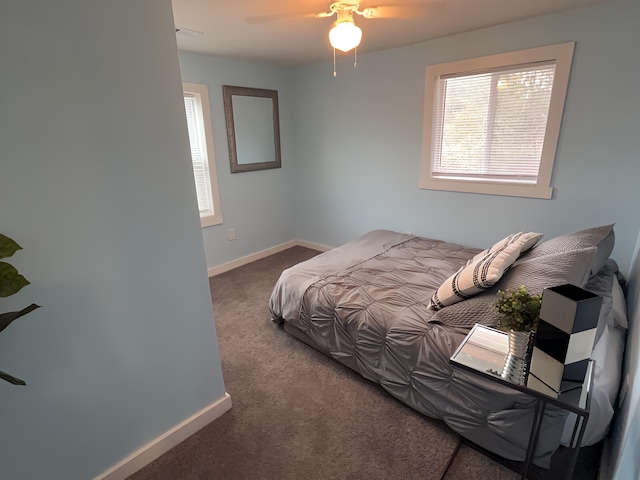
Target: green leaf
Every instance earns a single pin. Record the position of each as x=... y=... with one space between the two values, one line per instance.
x=10 y=280
x=8 y=247
x=11 y=379
x=8 y=317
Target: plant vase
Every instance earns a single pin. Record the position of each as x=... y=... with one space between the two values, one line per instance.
x=519 y=343
x=517 y=360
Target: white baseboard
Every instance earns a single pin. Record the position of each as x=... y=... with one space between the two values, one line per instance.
x=312 y=245
x=166 y=441
x=238 y=262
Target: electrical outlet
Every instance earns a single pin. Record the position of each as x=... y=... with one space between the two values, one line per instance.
x=232 y=234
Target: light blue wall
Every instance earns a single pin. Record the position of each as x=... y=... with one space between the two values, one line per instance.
x=259 y=205
x=359 y=138
x=96 y=185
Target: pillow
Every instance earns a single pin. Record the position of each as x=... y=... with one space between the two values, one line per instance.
x=483 y=270
x=600 y=237
x=604 y=249
x=619 y=306
x=525 y=239
x=535 y=274
x=551 y=270
x=602 y=284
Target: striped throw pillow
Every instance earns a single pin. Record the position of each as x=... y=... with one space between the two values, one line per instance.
x=483 y=270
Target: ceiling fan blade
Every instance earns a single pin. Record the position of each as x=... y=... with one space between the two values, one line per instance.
x=401 y=10
x=286 y=16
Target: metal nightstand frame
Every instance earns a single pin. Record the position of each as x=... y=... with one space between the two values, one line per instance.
x=576 y=400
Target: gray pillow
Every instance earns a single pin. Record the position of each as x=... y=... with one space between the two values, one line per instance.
x=604 y=249
x=535 y=274
x=603 y=238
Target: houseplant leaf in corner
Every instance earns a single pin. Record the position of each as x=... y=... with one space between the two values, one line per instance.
x=8 y=317
x=8 y=247
x=11 y=282
x=11 y=379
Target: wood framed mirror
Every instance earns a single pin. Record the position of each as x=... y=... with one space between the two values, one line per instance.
x=253 y=128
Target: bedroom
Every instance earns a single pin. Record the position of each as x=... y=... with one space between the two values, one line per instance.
x=372 y=184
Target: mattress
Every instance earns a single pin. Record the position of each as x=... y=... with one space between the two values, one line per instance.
x=366 y=304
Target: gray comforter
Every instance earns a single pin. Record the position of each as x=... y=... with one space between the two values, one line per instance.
x=365 y=304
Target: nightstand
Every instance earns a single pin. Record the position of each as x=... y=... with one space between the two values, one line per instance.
x=484 y=352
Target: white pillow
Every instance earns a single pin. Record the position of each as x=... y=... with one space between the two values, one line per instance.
x=619 y=306
x=483 y=270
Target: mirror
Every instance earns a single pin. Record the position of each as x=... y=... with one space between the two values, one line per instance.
x=253 y=128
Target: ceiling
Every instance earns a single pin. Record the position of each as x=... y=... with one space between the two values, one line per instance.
x=296 y=41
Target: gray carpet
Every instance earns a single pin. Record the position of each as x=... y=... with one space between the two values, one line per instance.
x=298 y=414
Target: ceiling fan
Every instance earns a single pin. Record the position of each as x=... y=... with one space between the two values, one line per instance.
x=345 y=35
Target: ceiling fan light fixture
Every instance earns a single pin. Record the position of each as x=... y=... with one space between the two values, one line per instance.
x=345 y=35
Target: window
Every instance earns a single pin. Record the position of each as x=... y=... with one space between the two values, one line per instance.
x=196 y=105
x=491 y=124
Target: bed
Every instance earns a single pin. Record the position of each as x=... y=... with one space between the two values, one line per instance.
x=394 y=307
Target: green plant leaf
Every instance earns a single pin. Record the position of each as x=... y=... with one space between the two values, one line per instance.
x=8 y=247
x=11 y=379
x=10 y=280
x=8 y=317
x=519 y=310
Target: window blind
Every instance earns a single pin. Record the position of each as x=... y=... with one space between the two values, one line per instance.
x=490 y=125
x=198 y=154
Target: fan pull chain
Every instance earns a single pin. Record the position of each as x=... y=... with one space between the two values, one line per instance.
x=334 y=62
x=355 y=57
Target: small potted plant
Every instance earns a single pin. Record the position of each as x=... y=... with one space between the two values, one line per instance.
x=519 y=313
x=11 y=282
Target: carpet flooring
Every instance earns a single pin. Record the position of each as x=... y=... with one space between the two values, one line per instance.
x=298 y=414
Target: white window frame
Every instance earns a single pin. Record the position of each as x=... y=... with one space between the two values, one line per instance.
x=201 y=95
x=562 y=56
